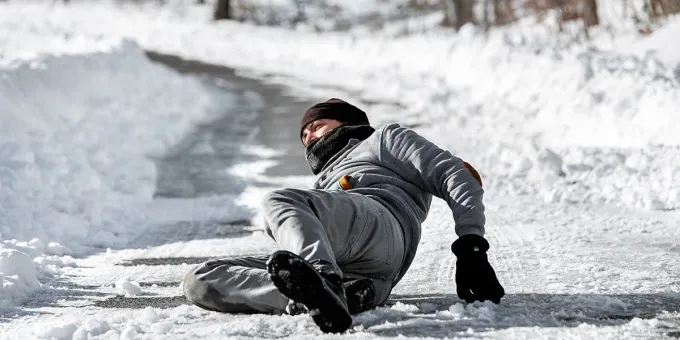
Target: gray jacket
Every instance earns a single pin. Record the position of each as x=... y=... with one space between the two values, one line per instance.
x=403 y=170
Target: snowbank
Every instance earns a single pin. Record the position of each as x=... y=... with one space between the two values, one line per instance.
x=662 y=44
x=75 y=136
x=519 y=94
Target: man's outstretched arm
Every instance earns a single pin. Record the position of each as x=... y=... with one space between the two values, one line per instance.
x=440 y=173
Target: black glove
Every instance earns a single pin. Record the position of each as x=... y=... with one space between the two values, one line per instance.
x=475 y=278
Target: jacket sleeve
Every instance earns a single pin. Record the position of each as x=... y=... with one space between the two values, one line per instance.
x=436 y=171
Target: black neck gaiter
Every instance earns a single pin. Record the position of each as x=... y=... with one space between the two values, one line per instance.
x=320 y=151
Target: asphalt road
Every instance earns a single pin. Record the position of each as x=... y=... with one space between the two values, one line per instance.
x=263 y=114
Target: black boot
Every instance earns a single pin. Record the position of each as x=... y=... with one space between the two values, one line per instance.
x=360 y=298
x=360 y=295
x=321 y=292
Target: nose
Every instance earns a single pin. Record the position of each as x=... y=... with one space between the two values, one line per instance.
x=310 y=138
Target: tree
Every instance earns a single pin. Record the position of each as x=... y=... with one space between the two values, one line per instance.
x=662 y=8
x=590 y=15
x=222 y=10
x=458 y=13
x=300 y=12
x=503 y=12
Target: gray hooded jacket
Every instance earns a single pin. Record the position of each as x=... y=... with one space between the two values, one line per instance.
x=402 y=170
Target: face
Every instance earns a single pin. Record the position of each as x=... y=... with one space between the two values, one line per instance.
x=318 y=128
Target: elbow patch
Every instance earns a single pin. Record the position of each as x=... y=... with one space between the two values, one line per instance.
x=474 y=172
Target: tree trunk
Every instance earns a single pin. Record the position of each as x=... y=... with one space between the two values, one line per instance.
x=464 y=12
x=300 y=12
x=590 y=15
x=222 y=10
x=664 y=8
x=503 y=12
x=486 y=5
x=458 y=13
x=449 y=13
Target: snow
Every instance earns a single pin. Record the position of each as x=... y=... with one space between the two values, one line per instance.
x=128 y=287
x=657 y=44
x=18 y=274
x=75 y=137
x=578 y=145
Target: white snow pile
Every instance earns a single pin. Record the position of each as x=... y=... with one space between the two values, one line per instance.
x=148 y=321
x=589 y=122
x=659 y=44
x=75 y=136
x=128 y=287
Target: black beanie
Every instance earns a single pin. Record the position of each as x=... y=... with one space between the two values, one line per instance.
x=337 y=109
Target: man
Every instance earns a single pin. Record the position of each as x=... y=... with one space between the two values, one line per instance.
x=347 y=242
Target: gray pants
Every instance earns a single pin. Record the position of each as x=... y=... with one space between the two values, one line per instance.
x=348 y=233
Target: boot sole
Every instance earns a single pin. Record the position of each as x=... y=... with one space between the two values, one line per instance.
x=298 y=280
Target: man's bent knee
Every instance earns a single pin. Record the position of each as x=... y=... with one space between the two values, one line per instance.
x=279 y=200
x=197 y=290
x=280 y=196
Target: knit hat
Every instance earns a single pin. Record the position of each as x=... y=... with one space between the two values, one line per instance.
x=337 y=109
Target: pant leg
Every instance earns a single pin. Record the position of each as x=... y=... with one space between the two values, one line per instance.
x=314 y=224
x=348 y=233
x=379 y=250
x=234 y=285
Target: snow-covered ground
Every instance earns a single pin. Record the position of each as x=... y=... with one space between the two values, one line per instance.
x=578 y=144
x=75 y=137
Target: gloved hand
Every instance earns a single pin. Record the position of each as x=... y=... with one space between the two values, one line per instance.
x=475 y=278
